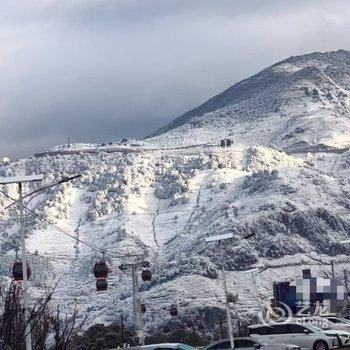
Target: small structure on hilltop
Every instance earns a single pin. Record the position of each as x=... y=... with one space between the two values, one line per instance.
x=226 y=143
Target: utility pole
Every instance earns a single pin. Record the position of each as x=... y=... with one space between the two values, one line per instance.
x=220 y=239
x=122 y=328
x=346 y=282
x=221 y=327
x=28 y=337
x=332 y=267
x=137 y=305
x=224 y=284
x=19 y=181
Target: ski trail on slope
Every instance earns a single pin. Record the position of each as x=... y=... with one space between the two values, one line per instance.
x=155 y=215
x=198 y=198
x=140 y=217
x=52 y=243
x=186 y=222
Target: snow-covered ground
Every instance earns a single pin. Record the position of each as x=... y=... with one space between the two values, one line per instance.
x=157 y=198
x=164 y=204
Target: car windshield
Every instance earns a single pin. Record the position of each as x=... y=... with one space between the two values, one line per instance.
x=187 y=347
x=220 y=345
x=338 y=320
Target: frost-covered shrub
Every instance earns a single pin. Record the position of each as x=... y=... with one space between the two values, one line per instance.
x=223 y=186
x=114 y=183
x=259 y=158
x=259 y=181
x=197 y=265
x=180 y=199
x=172 y=185
x=279 y=247
x=106 y=184
x=56 y=206
x=240 y=257
x=345 y=160
x=289 y=207
x=211 y=184
x=176 y=174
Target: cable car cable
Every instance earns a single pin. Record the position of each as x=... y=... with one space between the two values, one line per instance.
x=99 y=250
x=53 y=225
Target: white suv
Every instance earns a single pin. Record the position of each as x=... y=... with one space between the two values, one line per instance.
x=248 y=343
x=307 y=337
x=324 y=322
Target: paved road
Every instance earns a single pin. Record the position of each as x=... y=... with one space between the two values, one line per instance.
x=118 y=150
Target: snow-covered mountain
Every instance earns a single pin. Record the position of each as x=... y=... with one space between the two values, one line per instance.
x=157 y=198
x=300 y=102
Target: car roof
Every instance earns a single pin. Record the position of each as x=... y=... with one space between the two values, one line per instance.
x=168 y=345
x=227 y=339
x=259 y=325
x=337 y=331
x=276 y=324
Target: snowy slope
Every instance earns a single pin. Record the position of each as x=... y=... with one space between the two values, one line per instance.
x=164 y=204
x=152 y=197
x=302 y=100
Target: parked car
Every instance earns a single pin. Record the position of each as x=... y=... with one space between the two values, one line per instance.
x=248 y=343
x=325 y=322
x=162 y=346
x=342 y=336
x=338 y=322
x=305 y=336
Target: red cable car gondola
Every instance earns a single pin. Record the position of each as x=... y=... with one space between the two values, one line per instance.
x=146 y=275
x=173 y=310
x=101 y=284
x=143 y=308
x=17 y=271
x=101 y=269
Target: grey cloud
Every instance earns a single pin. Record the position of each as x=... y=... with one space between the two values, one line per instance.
x=101 y=70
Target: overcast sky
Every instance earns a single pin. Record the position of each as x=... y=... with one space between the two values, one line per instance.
x=101 y=70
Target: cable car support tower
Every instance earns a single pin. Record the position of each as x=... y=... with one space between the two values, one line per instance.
x=146 y=276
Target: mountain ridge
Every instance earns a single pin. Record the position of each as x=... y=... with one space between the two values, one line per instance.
x=334 y=65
